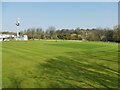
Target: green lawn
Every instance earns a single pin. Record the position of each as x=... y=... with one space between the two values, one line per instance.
x=0 y=65
x=62 y=64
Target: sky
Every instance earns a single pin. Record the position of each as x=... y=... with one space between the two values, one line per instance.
x=60 y=0
x=0 y=16
x=59 y=14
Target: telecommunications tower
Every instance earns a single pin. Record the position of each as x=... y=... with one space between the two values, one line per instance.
x=18 y=25
x=19 y=37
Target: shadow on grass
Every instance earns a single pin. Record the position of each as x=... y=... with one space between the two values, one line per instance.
x=66 y=72
x=91 y=54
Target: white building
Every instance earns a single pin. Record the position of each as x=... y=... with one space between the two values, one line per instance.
x=8 y=37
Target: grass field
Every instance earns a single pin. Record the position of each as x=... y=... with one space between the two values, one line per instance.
x=0 y=65
x=62 y=64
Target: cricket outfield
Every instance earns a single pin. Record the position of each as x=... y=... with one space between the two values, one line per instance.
x=61 y=64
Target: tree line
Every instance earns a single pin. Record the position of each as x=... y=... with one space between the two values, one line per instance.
x=98 y=34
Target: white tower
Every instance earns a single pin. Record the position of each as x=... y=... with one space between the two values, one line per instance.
x=18 y=24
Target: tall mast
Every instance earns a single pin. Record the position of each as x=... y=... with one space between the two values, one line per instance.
x=18 y=24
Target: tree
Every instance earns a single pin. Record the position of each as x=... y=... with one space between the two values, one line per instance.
x=116 y=34
x=52 y=33
x=39 y=33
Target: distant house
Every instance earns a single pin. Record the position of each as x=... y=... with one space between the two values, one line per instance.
x=8 y=37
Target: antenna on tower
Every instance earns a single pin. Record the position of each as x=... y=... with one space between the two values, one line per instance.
x=18 y=22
